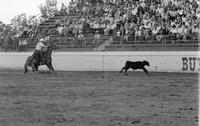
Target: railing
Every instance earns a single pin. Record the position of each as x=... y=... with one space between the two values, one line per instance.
x=134 y=43
x=161 y=43
x=87 y=41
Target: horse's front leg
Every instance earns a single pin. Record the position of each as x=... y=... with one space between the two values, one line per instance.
x=50 y=67
x=36 y=68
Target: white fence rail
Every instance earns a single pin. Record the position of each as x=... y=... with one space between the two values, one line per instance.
x=110 y=61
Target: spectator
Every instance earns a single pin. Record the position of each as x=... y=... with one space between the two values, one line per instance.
x=7 y=42
x=60 y=30
x=179 y=32
x=196 y=32
x=184 y=32
x=63 y=8
x=25 y=32
x=22 y=44
x=80 y=39
x=1 y=40
x=96 y=40
x=138 y=33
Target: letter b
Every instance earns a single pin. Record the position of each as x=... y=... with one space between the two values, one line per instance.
x=185 y=65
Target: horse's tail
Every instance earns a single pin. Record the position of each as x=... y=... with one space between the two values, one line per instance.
x=25 y=68
x=26 y=65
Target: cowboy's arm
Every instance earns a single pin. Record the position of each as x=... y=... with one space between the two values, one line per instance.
x=43 y=47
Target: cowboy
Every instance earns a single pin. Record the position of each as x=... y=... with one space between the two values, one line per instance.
x=40 y=48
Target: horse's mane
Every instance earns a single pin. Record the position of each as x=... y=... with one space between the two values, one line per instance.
x=49 y=48
x=48 y=52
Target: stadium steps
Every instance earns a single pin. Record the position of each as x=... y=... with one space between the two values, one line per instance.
x=51 y=21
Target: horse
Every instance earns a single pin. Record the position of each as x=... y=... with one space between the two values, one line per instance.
x=45 y=59
x=135 y=65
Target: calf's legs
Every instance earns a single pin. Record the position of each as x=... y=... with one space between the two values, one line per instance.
x=125 y=72
x=122 y=69
x=145 y=71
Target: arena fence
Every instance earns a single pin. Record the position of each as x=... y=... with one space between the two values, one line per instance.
x=111 y=61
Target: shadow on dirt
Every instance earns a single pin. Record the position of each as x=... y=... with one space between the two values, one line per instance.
x=46 y=72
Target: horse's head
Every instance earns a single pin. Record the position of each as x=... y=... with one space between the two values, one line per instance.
x=146 y=63
x=52 y=46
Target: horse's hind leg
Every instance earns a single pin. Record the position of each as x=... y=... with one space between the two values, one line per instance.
x=36 y=68
x=33 y=67
x=25 y=68
x=50 y=67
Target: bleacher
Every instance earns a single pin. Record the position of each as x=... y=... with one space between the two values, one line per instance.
x=50 y=23
x=71 y=43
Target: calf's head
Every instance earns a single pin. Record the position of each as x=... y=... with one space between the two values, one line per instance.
x=146 y=63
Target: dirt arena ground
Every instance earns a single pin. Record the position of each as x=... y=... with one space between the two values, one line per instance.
x=98 y=99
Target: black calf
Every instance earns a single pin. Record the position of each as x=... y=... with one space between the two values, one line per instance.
x=135 y=65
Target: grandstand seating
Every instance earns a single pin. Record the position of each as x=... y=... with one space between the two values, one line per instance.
x=50 y=23
x=71 y=42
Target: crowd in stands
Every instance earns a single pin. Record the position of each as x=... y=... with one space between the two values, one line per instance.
x=129 y=17
x=141 y=19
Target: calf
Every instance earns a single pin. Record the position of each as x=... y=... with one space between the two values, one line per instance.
x=135 y=65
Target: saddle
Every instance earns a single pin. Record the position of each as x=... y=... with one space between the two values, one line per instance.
x=37 y=56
